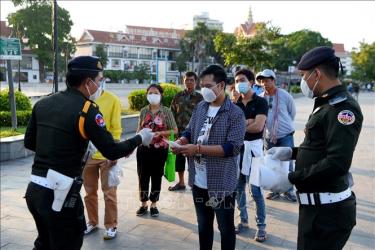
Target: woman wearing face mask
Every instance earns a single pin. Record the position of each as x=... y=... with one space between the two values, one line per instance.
x=151 y=160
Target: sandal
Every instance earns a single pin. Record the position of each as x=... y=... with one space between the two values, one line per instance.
x=260 y=235
x=177 y=187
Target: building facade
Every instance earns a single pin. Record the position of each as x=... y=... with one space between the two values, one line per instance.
x=210 y=23
x=345 y=57
x=157 y=48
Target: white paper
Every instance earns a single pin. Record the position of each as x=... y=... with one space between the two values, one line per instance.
x=172 y=144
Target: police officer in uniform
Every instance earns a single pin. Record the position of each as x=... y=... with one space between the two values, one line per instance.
x=327 y=211
x=58 y=131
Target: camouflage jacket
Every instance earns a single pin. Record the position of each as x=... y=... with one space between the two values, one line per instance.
x=182 y=107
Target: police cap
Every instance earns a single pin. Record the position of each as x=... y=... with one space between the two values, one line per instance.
x=85 y=63
x=315 y=57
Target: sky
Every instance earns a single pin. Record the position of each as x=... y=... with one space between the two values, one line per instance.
x=348 y=22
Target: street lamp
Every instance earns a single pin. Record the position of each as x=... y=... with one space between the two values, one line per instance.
x=55 y=48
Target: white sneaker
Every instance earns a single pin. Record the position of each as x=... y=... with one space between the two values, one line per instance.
x=90 y=228
x=110 y=233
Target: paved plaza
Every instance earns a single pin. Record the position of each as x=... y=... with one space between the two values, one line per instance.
x=176 y=227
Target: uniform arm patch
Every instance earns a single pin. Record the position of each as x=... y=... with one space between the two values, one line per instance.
x=346 y=117
x=99 y=120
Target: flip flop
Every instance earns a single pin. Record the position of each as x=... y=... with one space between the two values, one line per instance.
x=260 y=235
x=177 y=187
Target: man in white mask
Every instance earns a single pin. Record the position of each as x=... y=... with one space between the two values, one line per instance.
x=327 y=212
x=255 y=109
x=212 y=142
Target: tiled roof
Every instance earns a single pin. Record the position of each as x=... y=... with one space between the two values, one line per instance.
x=339 y=47
x=133 y=39
x=246 y=29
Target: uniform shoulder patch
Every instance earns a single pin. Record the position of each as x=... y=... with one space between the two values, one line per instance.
x=99 y=120
x=346 y=117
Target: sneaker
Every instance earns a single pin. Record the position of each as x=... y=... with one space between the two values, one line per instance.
x=110 y=233
x=272 y=196
x=154 y=211
x=142 y=211
x=241 y=227
x=90 y=228
x=290 y=197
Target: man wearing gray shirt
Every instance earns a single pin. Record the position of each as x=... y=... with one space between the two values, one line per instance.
x=279 y=124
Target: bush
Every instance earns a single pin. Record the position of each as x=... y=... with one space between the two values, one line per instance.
x=137 y=98
x=22 y=101
x=295 y=89
x=23 y=118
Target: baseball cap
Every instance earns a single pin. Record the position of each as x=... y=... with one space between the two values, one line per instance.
x=267 y=73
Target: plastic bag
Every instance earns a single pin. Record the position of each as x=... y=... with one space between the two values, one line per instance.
x=170 y=163
x=114 y=175
x=274 y=175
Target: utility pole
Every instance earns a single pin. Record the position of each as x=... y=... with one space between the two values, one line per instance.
x=55 y=47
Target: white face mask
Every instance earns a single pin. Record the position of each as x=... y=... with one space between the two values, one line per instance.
x=242 y=87
x=208 y=94
x=153 y=98
x=97 y=93
x=306 y=91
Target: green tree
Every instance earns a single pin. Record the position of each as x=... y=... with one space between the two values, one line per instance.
x=364 y=62
x=291 y=47
x=197 y=45
x=254 y=52
x=141 y=72
x=102 y=54
x=34 y=22
x=181 y=64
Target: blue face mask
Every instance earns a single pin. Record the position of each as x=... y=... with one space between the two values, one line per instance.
x=242 y=87
x=257 y=89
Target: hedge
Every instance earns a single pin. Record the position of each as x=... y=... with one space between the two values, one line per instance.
x=137 y=98
x=23 y=118
x=22 y=101
x=295 y=89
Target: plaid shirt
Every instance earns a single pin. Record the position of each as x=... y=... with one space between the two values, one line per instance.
x=228 y=129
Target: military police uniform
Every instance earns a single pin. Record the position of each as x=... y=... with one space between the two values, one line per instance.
x=58 y=131
x=327 y=211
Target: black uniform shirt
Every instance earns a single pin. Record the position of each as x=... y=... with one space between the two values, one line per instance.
x=53 y=134
x=324 y=157
x=257 y=106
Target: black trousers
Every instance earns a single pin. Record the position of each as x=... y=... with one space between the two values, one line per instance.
x=150 y=165
x=326 y=227
x=56 y=230
x=205 y=216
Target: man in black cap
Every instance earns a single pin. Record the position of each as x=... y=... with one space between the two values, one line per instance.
x=327 y=212
x=58 y=131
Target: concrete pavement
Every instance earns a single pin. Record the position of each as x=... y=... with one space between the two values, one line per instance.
x=176 y=227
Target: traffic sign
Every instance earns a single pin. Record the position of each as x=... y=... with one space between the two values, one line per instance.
x=10 y=49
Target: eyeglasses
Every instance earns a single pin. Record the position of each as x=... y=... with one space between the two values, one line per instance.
x=270 y=100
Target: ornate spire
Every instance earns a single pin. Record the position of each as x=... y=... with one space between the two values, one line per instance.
x=250 y=17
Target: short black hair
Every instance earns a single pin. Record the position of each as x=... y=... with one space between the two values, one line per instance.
x=246 y=72
x=217 y=71
x=190 y=74
x=157 y=86
x=330 y=68
x=75 y=79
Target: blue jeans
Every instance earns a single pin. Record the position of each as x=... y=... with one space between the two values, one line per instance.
x=260 y=207
x=286 y=141
x=224 y=212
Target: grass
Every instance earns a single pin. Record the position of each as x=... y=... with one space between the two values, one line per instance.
x=8 y=131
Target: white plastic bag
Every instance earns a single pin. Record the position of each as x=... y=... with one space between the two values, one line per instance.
x=274 y=175
x=114 y=175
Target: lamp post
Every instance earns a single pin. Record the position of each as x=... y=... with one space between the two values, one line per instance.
x=55 y=48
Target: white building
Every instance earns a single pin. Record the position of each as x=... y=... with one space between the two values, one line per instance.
x=345 y=57
x=27 y=69
x=155 y=47
x=210 y=23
